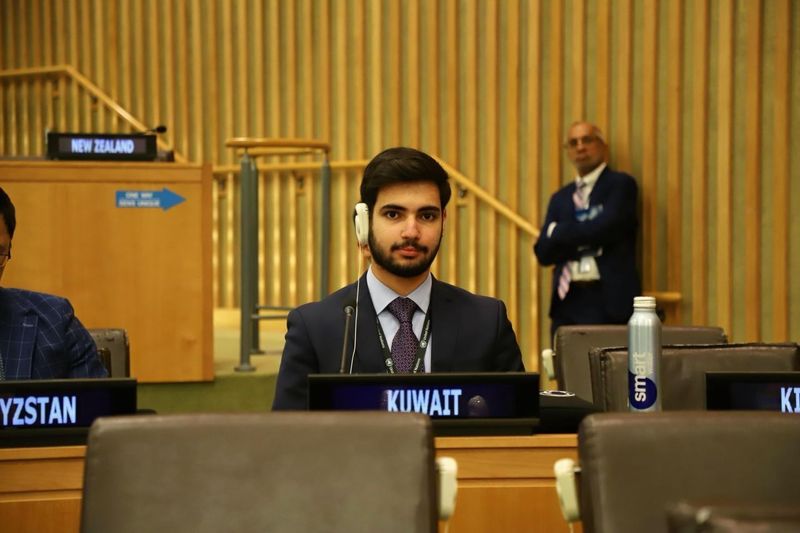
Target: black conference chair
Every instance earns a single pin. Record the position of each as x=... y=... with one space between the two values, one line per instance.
x=683 y=369
x=276 y=472
x=115 y=341
x=635 y=467
x=570 y=358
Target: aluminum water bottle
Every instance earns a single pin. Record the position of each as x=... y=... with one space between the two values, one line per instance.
x=644 y=356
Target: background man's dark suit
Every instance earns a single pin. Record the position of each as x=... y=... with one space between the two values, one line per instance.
x=40 y=338
x=469 y=333
x=614 y=229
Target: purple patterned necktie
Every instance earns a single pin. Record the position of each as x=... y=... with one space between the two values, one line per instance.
x=404 y=344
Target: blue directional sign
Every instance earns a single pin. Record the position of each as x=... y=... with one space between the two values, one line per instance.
x=163 y=199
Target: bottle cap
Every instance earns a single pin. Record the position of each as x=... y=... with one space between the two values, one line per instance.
x=644 y=302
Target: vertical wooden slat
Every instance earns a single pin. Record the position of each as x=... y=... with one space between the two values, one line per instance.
x=196 y=90
x=289 y=70
x=451 y=127
x=274 y=69
x=340 y=126
x=226 y=60
x=306 y=69
x=311 y=289
x=359 y=76
x=169 y=117
x=183 y=80
x=323 y=85
x=152 y=114
x=510 y=153
x=340 y=77
x=651 y=245
x=431 y=95
x=555 y=137
x=411 y=76
x=470 y=150
x=345 y=236
x=532 y=144
x=48 y=87
x=622 y=120
x=781 y=150
x=600 y=87
x=724 y=165
x=451 y=102
x=10 y=46
x=752 y=159
x=274 y=204
x=490 y=110
x=112 y=64
x=210 y=85
x=306 y=290
x=291 y=240
x=124 y=60
x=36 y=84
x=395 y=75
x=138 y=80
x=674 y=152
x=577 y=37
x=699 y=118
x=375 y=133
x=23 y=86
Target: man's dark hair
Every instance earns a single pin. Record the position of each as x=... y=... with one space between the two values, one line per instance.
x=8 y=212
x=402 y=165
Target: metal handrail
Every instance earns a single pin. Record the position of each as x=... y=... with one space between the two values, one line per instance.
x=249 y=341
x=71 y=72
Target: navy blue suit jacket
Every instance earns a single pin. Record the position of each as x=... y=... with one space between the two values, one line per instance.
x=614 y=229
x=40 y=338
x=469 y=333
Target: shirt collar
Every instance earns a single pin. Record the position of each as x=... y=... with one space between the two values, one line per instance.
x=382 y=295
x=591 y=178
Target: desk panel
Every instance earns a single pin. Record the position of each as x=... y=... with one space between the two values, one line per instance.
x=505 y=484
x=144 y=269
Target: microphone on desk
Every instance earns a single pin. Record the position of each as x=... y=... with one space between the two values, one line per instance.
x=157 y=129
x=348 y=317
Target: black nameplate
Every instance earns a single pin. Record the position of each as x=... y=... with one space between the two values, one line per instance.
x=46 y=411
x=478 y=403
x=102 y=146
x=760 y=391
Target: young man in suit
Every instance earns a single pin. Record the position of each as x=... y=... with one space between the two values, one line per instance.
x=589 y=235
x=440 y=328
x=40 y=336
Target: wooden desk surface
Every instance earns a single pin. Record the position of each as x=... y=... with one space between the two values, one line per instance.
x=505 y=484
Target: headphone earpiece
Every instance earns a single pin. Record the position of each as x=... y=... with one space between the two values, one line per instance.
x=362 y=223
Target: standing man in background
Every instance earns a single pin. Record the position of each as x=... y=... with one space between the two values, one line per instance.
x=429 y=325
x=589 y=235
x=40 y=336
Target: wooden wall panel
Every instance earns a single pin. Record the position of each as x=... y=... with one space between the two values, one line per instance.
x=489 y=87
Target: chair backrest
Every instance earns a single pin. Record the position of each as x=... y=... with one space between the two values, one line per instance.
x=115 y=340
x=277 y=472
x=687 y=517
x=635 y=466
x=573 y=343
x=683 y=369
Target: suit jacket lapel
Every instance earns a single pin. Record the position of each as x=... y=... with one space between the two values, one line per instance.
x=444 y=332
x=369 y=356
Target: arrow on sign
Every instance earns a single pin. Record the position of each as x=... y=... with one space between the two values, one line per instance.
x=163 y=199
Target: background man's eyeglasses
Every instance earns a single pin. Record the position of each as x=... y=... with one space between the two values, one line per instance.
x=585 y=140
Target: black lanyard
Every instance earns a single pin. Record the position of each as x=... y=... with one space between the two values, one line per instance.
x=419 y=360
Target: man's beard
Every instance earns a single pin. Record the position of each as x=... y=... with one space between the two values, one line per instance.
x=385 y=261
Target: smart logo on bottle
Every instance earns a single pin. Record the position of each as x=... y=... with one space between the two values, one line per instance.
x=642 y=390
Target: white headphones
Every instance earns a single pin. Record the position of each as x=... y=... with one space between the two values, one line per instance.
x=362 y=223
